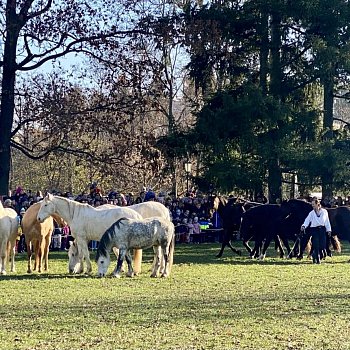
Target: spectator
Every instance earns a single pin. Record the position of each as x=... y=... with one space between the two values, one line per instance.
x=177 y=217
x=8 y=203
x=21 y=241
x=260 y=198
x=150 y=195
x=181 y=231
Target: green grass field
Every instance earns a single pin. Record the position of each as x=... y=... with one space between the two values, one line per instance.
x=207 y=303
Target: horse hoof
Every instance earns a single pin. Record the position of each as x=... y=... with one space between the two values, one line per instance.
x=153 y=275
x=164 y=275
x=130 y=274
x=3 y=272
x=116 y=275
x=29 y=271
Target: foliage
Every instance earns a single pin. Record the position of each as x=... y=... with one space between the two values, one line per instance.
x=280 y=116
x=207 y=303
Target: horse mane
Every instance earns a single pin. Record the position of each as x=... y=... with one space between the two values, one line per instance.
x=104 y=244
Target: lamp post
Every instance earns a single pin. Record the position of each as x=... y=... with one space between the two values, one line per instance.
x=188 y=167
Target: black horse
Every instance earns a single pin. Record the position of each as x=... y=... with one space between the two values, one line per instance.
x=263 y=223
x=296 y=210
x=340 y=221
x=230 y=213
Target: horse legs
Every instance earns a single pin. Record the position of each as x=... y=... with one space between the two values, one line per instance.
x=278 y=241
x=36 y=246
x=156 y=264
x=117 y=270
x=223 y=245
x=255 y=253
x=165 y=251
x=41 y=252
x=11 y=253
x=83 y=252
x=29 y=255
x=247 y=246
x=128 y=259
x=137 y=260
x=304 y=241
x=3 y=257
x=46 y=252
x=227 y=242
x=264 y=247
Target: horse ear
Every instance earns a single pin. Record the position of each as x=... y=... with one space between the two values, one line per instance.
x=49 y=196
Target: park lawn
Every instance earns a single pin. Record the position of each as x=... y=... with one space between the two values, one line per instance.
x=207 y=303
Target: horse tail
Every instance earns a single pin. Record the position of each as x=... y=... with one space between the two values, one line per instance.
x=308 y=247
x=171 y=253
x=336 y=243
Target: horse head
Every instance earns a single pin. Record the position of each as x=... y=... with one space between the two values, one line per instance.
x=47 y=208
x=74 y=265
x=215 y=203
x=103 y=262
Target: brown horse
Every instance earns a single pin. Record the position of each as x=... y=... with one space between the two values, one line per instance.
x=38 y=237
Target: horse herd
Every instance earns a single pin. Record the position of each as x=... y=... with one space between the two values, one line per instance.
x=264 y=223
x=149 y=224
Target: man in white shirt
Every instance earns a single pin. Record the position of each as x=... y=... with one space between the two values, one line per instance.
x=318 y=221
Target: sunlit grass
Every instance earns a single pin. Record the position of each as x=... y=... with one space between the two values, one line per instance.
x=207 y=303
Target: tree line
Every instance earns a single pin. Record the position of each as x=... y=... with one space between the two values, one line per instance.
x=245 y=89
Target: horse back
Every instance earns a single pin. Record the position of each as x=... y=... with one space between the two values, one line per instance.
x=151 y=209
x=261 y=220
x=340 y=221
x=8 y=224
x=138 y=234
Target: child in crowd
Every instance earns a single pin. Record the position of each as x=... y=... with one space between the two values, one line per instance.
x=196 y=230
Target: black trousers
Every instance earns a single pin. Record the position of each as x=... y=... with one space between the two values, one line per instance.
x=318 y=241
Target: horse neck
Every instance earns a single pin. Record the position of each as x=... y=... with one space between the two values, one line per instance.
x=106 y=242
x=65 y=209
x=221 y=205
x=60 y=222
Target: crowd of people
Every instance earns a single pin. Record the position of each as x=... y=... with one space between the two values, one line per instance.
x=190 y=214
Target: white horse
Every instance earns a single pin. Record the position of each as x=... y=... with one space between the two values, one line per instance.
x=8 y=235
x=146 y=210
x=126 y=234
x=86 y=222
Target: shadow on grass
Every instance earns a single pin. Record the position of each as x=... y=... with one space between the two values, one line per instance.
x=42 y=276
x=204 y=253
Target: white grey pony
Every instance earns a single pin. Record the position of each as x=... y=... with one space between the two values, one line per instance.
x=126 y=234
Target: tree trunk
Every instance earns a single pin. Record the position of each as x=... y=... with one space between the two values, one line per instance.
x=8 y=94
x=274 y=180
x=264 y=49
x=328 y=101
x=275 y=174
